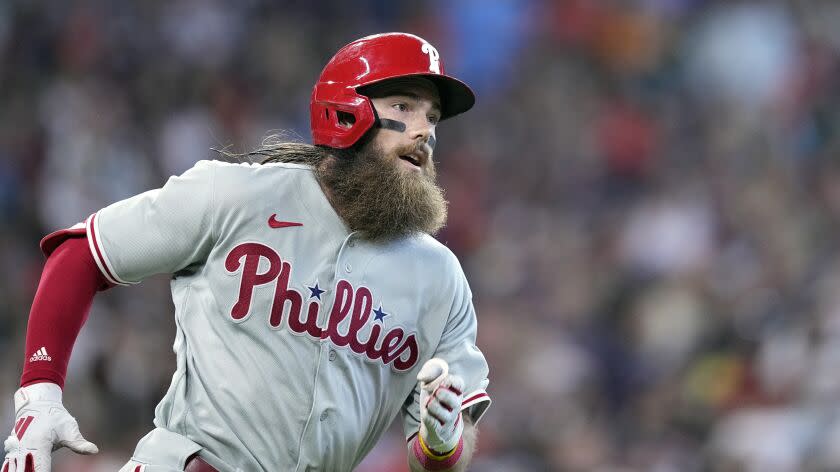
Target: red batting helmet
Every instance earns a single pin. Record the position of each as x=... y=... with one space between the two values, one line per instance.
x=367 y=61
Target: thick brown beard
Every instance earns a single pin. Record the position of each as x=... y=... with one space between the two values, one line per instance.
x=375 y=197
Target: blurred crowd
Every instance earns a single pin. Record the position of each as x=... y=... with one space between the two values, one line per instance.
x=646 y=201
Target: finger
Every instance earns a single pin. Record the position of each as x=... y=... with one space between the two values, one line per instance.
x=11 y=444
x=80 y=446
x=433 y=370
x=71 y=438
x=433 y=421
x=430 y=397
x=454 y=383
x=448 y=399
x=441 y=414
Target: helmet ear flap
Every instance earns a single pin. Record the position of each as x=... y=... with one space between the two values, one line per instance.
x=337 y=117
x=340 y=122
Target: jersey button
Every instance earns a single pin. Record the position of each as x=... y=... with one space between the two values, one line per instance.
x=348 y=268
x=323 y=416
x=332 y=355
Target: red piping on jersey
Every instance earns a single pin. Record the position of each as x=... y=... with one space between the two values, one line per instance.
x=473 y=399
x=99 y=256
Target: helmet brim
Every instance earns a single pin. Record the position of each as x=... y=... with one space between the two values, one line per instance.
x=456 y=97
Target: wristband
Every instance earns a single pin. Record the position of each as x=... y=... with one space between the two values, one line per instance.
x=432 y=461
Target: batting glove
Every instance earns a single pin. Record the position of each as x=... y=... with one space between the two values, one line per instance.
x=441 y=395
x=42 y=425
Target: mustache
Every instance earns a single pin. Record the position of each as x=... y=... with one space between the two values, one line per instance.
x=423 y=147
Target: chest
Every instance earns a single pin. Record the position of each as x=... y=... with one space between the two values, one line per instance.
x=376 y=303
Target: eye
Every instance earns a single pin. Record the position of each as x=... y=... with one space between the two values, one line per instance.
x=401 y=106
x=434 y=119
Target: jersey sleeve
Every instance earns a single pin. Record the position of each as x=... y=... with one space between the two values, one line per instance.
x=160 y=231
x=457 y=347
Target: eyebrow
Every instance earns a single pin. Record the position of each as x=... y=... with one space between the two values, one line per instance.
x=435 y=103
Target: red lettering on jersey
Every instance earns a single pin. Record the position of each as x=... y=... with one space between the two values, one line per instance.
x=282 y=295
x=370 y=347
x=409 y=345
x=341 y=308
x=393 y=347
x=362 y=307
x=389 y=344
x=252 y=252
x=310 y=326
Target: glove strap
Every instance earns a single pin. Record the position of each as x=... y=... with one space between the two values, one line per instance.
x=44 y=391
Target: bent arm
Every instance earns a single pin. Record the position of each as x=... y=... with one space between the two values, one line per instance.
x=460 y=464
x=69 y=281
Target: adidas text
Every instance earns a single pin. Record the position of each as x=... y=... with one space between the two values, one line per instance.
x=40 y=355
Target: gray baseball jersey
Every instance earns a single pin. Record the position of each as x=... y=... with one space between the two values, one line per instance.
x=297 y=341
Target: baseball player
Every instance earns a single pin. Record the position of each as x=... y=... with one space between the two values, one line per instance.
x=312 y=305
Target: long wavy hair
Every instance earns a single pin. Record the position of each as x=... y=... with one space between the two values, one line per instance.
x=280 y=147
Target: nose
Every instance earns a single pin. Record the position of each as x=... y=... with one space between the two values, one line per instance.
x=423 y=132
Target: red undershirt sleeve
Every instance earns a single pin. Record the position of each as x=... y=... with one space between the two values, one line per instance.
x=69 y=281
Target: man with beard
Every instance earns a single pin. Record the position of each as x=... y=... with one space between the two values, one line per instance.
x=312 y=304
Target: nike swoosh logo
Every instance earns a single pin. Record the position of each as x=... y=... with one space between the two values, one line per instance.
x=274 y=223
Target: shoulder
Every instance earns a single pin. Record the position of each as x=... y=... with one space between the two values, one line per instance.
x=248 y=168
x=244 y=180
x=440 y=259
x=434 y=248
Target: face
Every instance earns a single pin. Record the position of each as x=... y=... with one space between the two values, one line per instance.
x=414 y=102
x=386 y=187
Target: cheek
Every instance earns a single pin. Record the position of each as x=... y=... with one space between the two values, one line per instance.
x=387 y=143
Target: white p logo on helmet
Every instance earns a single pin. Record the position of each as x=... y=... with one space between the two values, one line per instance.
x=434 y=57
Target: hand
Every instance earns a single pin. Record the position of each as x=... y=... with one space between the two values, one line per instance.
x=42 y=425
x=441 y=395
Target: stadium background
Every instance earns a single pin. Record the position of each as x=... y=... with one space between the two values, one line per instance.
x=645 y=199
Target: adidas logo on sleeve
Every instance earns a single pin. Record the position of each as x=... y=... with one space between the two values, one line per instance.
x=40 y=355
